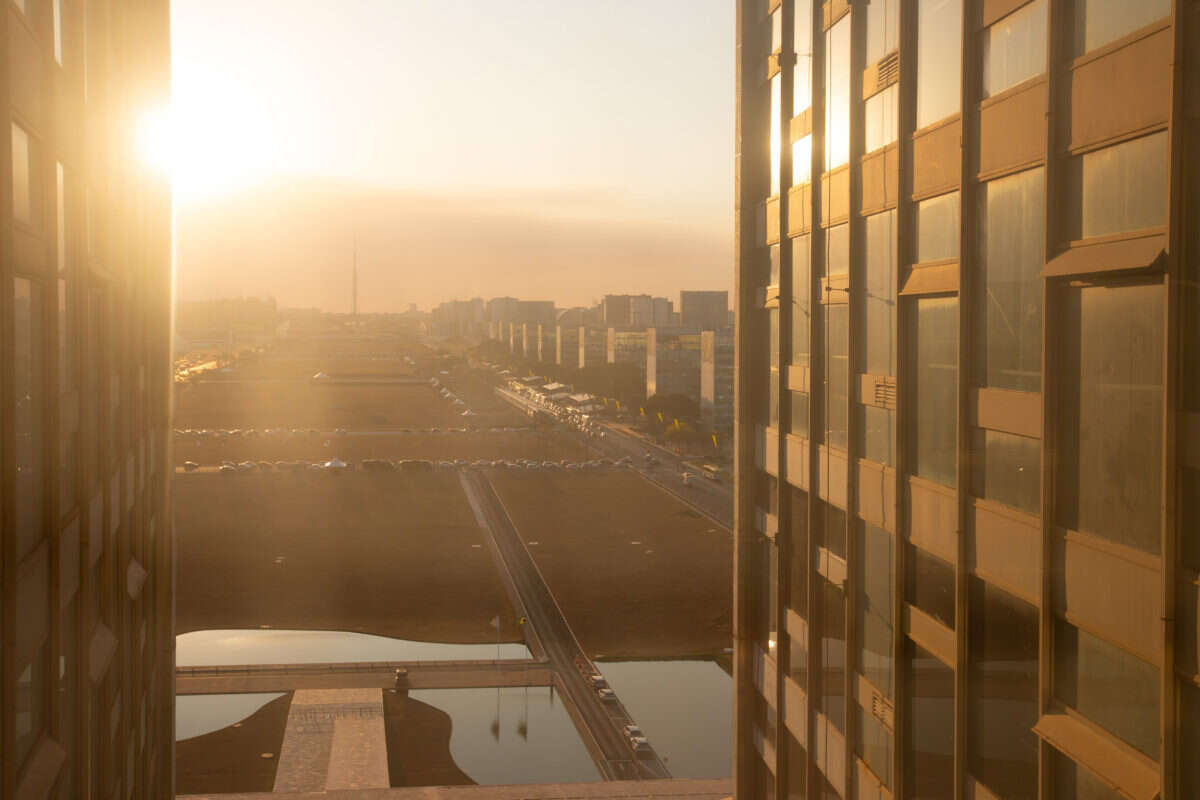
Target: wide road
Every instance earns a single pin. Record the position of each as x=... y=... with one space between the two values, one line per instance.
x=602 y=720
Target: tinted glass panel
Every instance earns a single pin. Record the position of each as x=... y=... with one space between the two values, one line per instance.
x=837 y=93
x=60 y=219
x=930 y=585
x=935 y=390
x=837 y=374
x=938 y=228
x=773 y=334
x=877 y=426
x=875 y=606
x=1002 y=688
x=1109 y=686
x=777 y=30
x=883 y=28
x=1098 y=22
x=1110 y=470
x=837 y=250
x=833 y=654
x=797 y=770
x=23 y=185
x=776 y=132
x=1073 y=782
x=773 y=265
x=879 y=317
x=1189 y=738
x=30 y=404
x=881 y=120
x=800 y=413
x=1011 y=252
x=31 y=714
x=802 y=85
x=801 y=304
x=802 y=160
x=874 y=746
x=1007 y=469
x=1014 y=48
x=798 y=591
x=939 y=59
x=68 y=694
x=1120 y=188
x=929 y=754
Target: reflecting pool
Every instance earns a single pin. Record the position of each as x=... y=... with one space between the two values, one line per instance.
x=198 y=714
x=270 y=646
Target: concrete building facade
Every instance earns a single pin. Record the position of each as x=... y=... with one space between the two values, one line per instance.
x=86 y=666
x=673 y=362
x=627 y=347
x=566 y=346
x=966 y=554
x=706 y=311
x=593 y=346
x=716 y=379
x=547 y=343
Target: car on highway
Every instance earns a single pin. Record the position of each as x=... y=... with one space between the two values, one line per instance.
x=631 y=731
x=607 y=695
x=190 y=466
x=227 y=469
x=597 y=681
x=640 y=744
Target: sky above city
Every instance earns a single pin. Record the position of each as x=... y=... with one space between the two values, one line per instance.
x=471 y=147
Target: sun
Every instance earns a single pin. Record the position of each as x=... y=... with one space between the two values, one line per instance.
x=157 y=144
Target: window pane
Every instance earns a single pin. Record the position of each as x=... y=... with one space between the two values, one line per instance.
x=68 y=693
x=938 y=228
x=24 y=184
x=879 y=317
x=798 y=594
x=833 y=654
x=875 y=606
x=777 y=30
x=802 y=160
x=1008 y=469
x=877 y=426
x=883 y=29
x=66 y=352
x=1120 y=188
x=837 y=375
x=801 y=303
x=773 y=265
x=930 y=585
x=28 y=380
x=802 y=81
x=797 y=770
x=800 y=413
x=837 y=94
x=1014 y=49
x=837 y=250
x=1110 y=456
x=929 y=754
x=874 y=746
x=881 y=121
x=1073 y=782
x=773 y=334
x=939 y=59
x=1098 y=22
x=57 y=13
x=1113 y=688
x=773 y=399
x=1002 y=691
x=1189 y=739
x=776 y=132
x=31 y=712
x=1011 y=252
x=935 y=390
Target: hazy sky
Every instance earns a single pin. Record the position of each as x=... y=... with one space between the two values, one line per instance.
x=613 y=115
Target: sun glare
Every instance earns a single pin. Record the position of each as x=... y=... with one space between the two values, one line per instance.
x=157 y=141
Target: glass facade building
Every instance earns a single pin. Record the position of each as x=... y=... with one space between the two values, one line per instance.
x=968 y=407
x=86 y=667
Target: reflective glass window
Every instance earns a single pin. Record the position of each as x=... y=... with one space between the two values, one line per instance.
x=1098 y=22
x=837 y=250
x=801 y=299
x=1189 y=738
x=802 y=80
x=60 y=218
x=800 y=403
x=939 y=60
x=938 y=228
x=1110 y=457
x=773 y=265
x=68 y=696
x=797 y=770
x=874 y=567
x=1007 y=469
x=66 y=332
x=56 y=9
x=777 y=29
x=1014 y=48
x=767 y=612
x=30 y=403
x=879 y=293
x=1010 y=256
x=802 y=160
x=1002 y=691
x=877 y=426
x=31 y=712
x=776 y=132
x=1113 y=688
x=837 y=95
x=929 y=750
x=837 y=374
x=883 y=28
x=24 y=186
x=935 y=395
x=1073 y=782
x=1119 y=188
x=881 y=122
x=874 y=746
x=833 y=654
x=930 y=585
x=773 y=334
x=798 y=591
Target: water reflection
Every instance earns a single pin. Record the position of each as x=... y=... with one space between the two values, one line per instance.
x=512 y=735
x=216 y=647
x=198 y=714
x=685 y=709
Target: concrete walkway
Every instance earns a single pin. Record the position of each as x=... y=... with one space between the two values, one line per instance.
x=334 y=740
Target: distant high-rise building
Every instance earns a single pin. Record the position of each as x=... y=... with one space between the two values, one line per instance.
x=87 y=674
x=618 y=310
x=664 y=313
x=673 y=362
x=967 y=473
x=716 y=379
x=593 y=346
x=706 y=311
x=627 y=347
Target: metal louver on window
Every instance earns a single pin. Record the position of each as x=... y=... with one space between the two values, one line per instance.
x=887 y=71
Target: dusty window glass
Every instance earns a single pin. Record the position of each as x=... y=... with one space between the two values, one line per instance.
x=877 y=427
x=929 y=748
x=837 y=374
x=768 y=599
x=939 y=60
x=1011 y=252
x=797 y=769
x=837 y=250
x=1002 y=691
x=837 y=95
x=798 y=592
x=1110 y=456
x=31 y=714
x=874 y=746
x=773 y=265
x=879 y=295
x=800 y=413
x=773 y=334
x=880 y=118
x=875 y=606
x=1073 y=782
x=29 y=401
x=1189 y=738
x=1119 y=188
x=1098 y=22
x=938 y=228
x=1113 y=688
x=883 y=29
x=832 y=533
x=802 y=160
x=1007 y=469
x=929 y=584
x=777 y=29
x=1014 y=48
x=776 y=133
x=24 y=180
x=833 y=654
x=773 y=399
x=802 y=75
x=934 y=426
x=801 y=302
